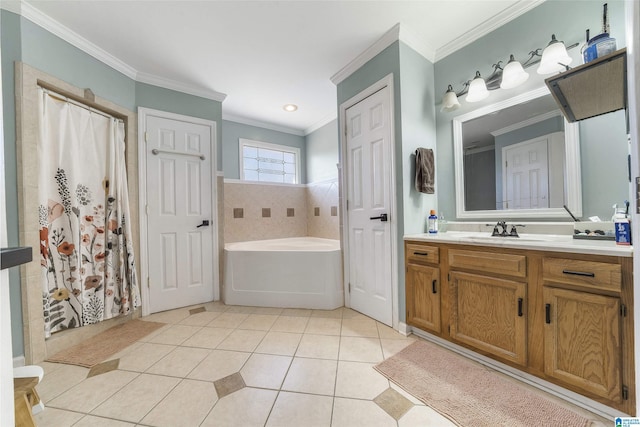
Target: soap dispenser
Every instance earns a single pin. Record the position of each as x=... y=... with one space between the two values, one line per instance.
x=622 y=225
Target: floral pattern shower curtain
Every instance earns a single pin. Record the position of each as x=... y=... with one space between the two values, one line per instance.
x=88 y=269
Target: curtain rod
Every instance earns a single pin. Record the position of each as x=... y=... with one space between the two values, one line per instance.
x=63 y=98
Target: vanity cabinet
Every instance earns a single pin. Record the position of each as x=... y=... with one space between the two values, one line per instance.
x=562 y=317
x=487 y=310
x=423 y=287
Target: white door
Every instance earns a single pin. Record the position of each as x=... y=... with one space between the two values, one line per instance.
x=526 y=174
x=368 y=145
x=180 y=243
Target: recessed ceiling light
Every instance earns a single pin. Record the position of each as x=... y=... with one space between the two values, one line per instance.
x=290 y=107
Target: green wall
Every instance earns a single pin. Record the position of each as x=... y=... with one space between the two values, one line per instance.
x=568 y=20
x=232 y=131
x=24 y=41
x=322 y=153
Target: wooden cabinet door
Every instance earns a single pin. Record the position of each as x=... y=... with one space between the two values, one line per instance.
x=582 y=341
x=488 y=314
x=423 y=297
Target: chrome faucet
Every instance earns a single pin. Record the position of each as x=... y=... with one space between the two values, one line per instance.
x=504 y=233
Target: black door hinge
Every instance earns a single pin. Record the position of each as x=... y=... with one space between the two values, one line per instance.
x=625 y=392
x=623 y=310
x=448 y=277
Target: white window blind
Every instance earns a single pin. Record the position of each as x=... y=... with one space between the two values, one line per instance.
x=261 y=161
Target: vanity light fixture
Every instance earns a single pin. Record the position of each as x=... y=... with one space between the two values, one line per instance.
x=450 y=100
x=511 y=76
x=290 y=108
x=477 y=89
x=554 y=57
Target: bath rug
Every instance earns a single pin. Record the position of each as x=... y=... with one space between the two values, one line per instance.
x=96 y=349
x=470 y=394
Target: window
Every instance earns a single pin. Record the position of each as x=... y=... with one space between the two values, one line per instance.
x=260 y=161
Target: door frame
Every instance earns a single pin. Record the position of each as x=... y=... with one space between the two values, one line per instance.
x=143 y=114
x=387 y=82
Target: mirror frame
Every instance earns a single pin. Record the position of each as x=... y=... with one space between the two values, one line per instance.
x=573 y=176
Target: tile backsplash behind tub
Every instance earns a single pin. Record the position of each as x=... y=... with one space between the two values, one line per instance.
x=255 y=211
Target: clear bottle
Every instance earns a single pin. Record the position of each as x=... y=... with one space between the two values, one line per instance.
x=442 y=223
x=433 y=222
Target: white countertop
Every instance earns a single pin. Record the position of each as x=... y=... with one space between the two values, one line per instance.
x=547 y=242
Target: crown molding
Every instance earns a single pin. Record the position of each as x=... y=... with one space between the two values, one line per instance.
x=51 y=25
x=179 y=86
x=491 y=24
x=260 y=124
x=34 y=15
x=418 y=44
x=324 y=121
x=381 y=44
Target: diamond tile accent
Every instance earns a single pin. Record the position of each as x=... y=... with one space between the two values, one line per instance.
x=229 y=384
x=393 y=403
x=291 y=212
x=316 y=211
x=334 y=211
x=197 y=310
x=238 y=213
x=103 y=368
x=266 y=212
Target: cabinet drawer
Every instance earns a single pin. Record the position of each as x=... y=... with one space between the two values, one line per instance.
x=590 y=274
x=420 y=254
x=490 y=262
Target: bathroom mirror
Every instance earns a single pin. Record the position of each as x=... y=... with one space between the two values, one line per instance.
x=517 y=158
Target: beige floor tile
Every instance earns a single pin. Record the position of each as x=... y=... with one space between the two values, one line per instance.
x=294 y=409
x=319 y=346
x=359 y=413
x=179 y=362
x=93 y=421
x=49 y=367
x=276 y=311
x=391 y=347
x=240 y=309
x=144 y=357
x=324 y=326
x=265 y=370
x=52 y=417
x=296 y=324
x=359 y=327
x=59 y=380
x=170 y=316
x=207 y=337
x=258 y=322
x=423 y=416
x=296 y=312
x=219 y=364
x=186 y=405
x=409 y=396
x=175 y=335
x=91 y=392
x=248 y=407
x=280 y=343
x=242 y=340
x=393 y=403
x=152 y=335
x=335 y=314
x=137 y=398
x=200 y=319
x=228 y=320
x=389 y=333
x=311 y=376
x=217 y=306
x=358 y=349
x=348 y=313
x=359 y=381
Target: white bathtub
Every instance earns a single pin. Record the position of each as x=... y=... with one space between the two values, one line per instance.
x=298 y=272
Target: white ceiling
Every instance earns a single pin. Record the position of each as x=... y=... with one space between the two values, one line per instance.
x=264 y=54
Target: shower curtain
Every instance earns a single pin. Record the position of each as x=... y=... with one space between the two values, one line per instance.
x=88 y=269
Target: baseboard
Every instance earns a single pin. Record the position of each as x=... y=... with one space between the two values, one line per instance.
x=404 y=329
x=571 y=397
x=18 y=361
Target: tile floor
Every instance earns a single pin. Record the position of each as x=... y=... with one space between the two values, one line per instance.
x=241 y=366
